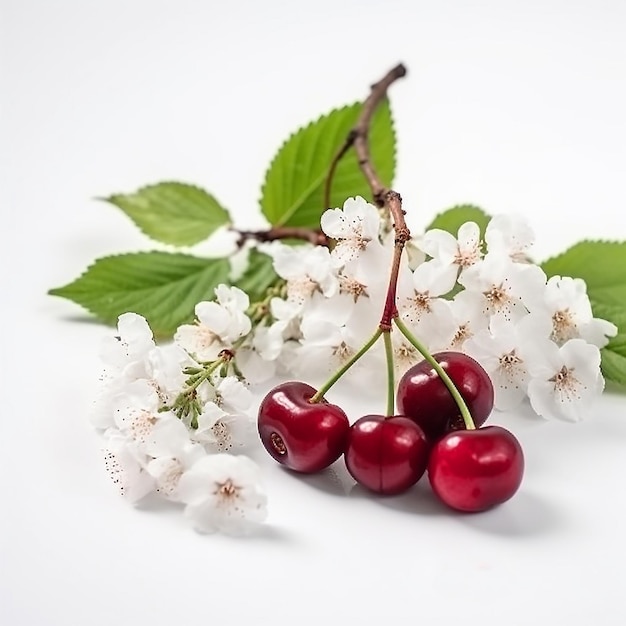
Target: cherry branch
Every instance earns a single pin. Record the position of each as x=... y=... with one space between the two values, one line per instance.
x=358 y=135
x=387 y=199
x=316 y=237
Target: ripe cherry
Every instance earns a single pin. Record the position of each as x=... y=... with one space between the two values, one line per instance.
x=386 y=454
x=424 y=397
x=302 y=435
x=474 y=470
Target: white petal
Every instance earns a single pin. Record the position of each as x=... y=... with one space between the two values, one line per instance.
x=234 y=394
x=122 y=463
x=434 y=278
x=468 y=236
x=333 y=223
x=168 y=437
x=199 y=341
x=598 y=332
x=232 y=298
x=214 y=316
x=439 y=244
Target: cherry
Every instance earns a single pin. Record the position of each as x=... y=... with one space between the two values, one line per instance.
x=474 y=470
x=424 y=397
x=302 y=435
x=386 y=454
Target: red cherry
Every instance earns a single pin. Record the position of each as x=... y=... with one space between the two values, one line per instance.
x=303 y=436
x=424 y=397
x=474 y=470
x=386 y=454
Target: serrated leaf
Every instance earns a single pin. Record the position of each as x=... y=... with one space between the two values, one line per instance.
x=258 y=276
x=292 y=194
x=614 y=353
x=601 y=264
x=613 y=366
x=173 y=213
x=163 y=287
x=452 y=219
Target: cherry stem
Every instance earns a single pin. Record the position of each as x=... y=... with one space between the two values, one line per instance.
x=342 y=370
x=452 y=388
x=391 y=384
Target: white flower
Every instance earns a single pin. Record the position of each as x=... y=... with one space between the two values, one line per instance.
x=504 y=287
x=137 y=414
x=257 y=359
x=502 y=351
x=332 y=332
x=462 y=251
x=131 y=345
x=566 y=303
x=468 y=318
x=430 y=280
x=223 y=493
x=354 y=228
x=566 y=380
x=510 y=235
x=167 y=470
x=218 y=324
x=306 y=269
x=286 y=315
x=124 y=463
x=232 y=395
x=223 y=431
x=165 y=370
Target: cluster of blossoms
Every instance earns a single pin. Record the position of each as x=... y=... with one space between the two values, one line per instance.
x=173 y=423
x=536 y=337
x=173 y=416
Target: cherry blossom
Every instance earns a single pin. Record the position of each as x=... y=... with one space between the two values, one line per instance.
x=504 y=287
x=222 y=492
x=307 y=269
x=125 y=464
x=566 y=303
x=167 y=470
x=565 y=380
x=354 y=228
x=462 y=251
x=218 y=324
x=502 y=350
x=510 y=235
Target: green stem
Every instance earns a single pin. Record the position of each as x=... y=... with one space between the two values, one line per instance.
x=458 y=398
x=207 y=371
x=390 y=374
x=342 y=370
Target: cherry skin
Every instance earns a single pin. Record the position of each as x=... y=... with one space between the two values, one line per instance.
x=303 y=436
x=386 y=454
x=474 y=470
x=424 y=397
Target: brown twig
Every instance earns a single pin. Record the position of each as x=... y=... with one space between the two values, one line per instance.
x=358 y=136
x=316 y=237
x=360 y=131
x=384 y=198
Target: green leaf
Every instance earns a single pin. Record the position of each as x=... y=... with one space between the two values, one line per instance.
x=173 y=213
x=614 y=353
x=601 y=264
x=614 y=364
x=452 y=219
x=258 y=276
x=161 y=286
x=293 y=191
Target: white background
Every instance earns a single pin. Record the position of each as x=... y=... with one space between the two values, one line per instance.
x=514 y=106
